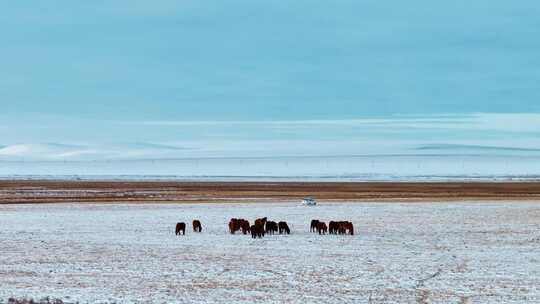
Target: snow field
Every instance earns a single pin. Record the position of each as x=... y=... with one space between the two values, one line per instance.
x=401 y=253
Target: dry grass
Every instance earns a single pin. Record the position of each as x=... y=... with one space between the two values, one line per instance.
x=32 y=301
x=48 y=191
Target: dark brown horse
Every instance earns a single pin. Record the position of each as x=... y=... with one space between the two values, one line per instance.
x=234 y=225
x=244 y=225
x=257 y=231
x=197 y=227
x=284 y=228
x=180 y=227
x=239 y=224
x=313 y=227
x=341 y=228
x=349 y=227
x=322 y=228
x=271 y=227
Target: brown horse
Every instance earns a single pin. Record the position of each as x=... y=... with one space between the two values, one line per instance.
x=197 y=227
x=180 y=227
x=313 y=227
x=257 y=231
x=271 y=227
x=322 y=228
x=284 y=228
x=261 y=221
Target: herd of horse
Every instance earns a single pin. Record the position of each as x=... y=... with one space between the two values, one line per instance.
x=263 y=226
x=260 y=228
x=334 y=227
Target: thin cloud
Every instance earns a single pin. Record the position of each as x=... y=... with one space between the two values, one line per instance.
x=479 y=121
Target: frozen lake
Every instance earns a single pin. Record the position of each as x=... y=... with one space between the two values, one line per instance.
x=401 y=253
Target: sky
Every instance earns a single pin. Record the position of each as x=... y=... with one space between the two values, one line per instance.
x=120 y=79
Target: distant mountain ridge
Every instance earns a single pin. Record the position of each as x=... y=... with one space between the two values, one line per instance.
x=447 y=147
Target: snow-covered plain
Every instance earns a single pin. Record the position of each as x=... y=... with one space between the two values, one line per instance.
x=474 y=252
x=329 y=168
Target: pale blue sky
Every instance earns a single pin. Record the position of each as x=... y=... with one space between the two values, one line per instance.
x=133 y=71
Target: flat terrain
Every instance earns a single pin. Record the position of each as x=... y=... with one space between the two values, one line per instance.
x=49 y=191
x=467 y=252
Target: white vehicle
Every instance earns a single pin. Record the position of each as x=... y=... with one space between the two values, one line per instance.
x=309 y=201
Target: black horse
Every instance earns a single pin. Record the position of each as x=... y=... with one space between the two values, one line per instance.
x=257 y=231
x=314 y=224
x=271 y=227
x=333 y=227
x=180 y=227
x=197 y=227
x=284 y=228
